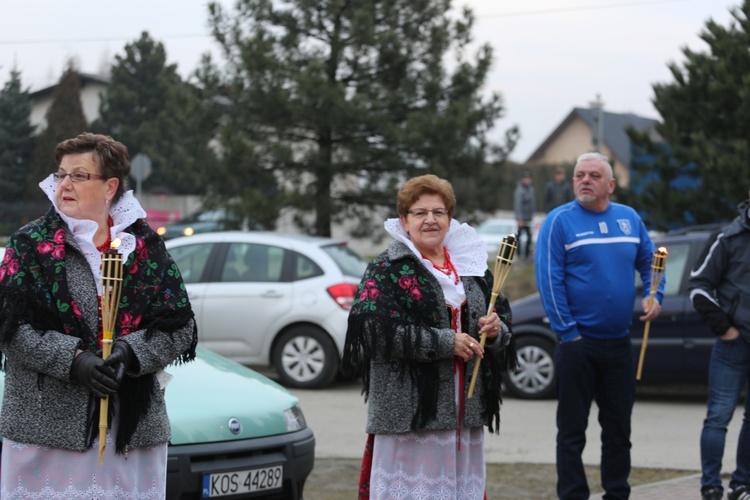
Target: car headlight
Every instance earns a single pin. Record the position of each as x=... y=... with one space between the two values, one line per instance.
x=295 y=420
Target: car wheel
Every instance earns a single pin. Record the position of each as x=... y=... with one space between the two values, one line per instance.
x=305 y=357
x=535 y=377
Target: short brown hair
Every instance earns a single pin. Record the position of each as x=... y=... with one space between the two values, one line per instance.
x=110 y=155
x=415 y=187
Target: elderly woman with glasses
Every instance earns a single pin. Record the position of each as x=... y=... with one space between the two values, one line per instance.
x=51 y=330
x=413 y=337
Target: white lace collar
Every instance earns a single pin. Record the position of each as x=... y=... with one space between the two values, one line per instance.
x=124 y=213
x=468 y=251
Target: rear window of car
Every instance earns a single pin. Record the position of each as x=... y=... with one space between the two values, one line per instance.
x=348 y=261
x=248 y=262
x=303 y=267
x=674 y=268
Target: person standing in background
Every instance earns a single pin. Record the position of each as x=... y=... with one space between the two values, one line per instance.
x=587 y=252
x=524 y=205
x=720 y=291
x=557 y=191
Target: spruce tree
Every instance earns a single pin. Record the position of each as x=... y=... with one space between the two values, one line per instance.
x=332 y=104
x=697 y=170
x=65 y=120
x=152 y=111
x=16 y=138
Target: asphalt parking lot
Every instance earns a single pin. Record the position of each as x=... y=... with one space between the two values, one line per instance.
x=666 y=429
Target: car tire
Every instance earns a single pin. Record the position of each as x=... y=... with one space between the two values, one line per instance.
x=305 y=357
x=535 y=377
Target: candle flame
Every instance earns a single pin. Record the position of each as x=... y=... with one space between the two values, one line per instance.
x=115 y=243
x=663 y=251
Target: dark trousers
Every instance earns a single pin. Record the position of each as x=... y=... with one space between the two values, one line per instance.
x=728 y=373
x=525 y=229
x=603 y=371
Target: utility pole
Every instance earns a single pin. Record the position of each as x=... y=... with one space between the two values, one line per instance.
x=597 y=108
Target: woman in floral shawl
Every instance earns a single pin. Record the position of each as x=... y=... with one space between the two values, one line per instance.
x=413 y=337
x=50 y=337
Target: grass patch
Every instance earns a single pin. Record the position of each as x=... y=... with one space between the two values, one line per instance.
x=337 y=479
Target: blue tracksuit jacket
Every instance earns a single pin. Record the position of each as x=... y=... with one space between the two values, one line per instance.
x=585 y=263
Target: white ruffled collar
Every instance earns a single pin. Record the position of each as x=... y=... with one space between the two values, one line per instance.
x=468 y=251
x=124 y=213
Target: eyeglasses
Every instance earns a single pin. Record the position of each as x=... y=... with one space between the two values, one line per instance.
x=421 y=213
x=75 y=176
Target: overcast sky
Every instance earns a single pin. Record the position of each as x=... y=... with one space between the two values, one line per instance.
x=550 y=55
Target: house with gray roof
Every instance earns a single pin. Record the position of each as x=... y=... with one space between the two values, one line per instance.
x=92 y=88
x=592 y=129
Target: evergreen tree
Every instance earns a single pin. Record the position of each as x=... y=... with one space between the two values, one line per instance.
x=65 y=119
x=152 y=111
x=697 y=171
x=16 y=138
x=333 y=103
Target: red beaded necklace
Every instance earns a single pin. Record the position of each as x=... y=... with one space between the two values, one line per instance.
x=105 y=246
x=447 y=268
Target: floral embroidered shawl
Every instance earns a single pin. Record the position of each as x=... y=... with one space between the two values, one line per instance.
x=403 y=292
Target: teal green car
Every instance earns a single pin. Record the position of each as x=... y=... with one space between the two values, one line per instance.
x=235 y=433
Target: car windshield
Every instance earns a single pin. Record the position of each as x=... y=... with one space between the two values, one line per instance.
x=497 y=228
x=205 y=216
x=348 y=261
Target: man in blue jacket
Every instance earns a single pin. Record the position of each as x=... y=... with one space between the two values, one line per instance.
x=720 y=292
x=587 y=253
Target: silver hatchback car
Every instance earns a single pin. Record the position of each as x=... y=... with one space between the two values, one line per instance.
x=268 y=299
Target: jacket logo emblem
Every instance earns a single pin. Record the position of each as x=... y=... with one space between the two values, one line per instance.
x=624 y=226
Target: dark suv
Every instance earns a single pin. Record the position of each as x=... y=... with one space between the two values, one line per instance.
x=679 y=344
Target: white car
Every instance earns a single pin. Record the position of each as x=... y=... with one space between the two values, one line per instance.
x=267 y=299
x=492 y=232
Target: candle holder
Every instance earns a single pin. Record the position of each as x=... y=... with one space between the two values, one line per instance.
x=658 y=266
x=503 y=261
x=112 y=265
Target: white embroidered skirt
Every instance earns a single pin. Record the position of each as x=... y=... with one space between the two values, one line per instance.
x=33 y=472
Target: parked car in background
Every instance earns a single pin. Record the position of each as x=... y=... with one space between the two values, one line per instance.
x=269 y=299
x=679 y=344
x=492 y=232
x=205 y=222
x=234 y=432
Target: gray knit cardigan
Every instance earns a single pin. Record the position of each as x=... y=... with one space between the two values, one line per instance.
x=393 y=397
x=42 y=405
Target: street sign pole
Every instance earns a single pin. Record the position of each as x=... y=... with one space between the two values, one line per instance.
x=140 y=169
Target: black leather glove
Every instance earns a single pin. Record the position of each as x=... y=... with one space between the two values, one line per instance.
x=89 y=370
x=120 y=359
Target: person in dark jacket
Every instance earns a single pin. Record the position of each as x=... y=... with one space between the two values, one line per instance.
x=51 y=337
x=413 y=338
x=524 y=206
x=719 y=288
x=558 y=191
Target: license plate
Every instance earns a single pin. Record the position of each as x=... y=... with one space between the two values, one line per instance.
x=244 y=481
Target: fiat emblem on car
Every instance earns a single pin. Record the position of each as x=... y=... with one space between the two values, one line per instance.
x=235 y=427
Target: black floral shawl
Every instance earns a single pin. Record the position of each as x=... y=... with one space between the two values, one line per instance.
x=402 y=292
x=34 y=290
